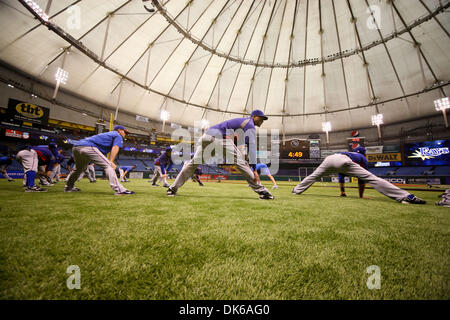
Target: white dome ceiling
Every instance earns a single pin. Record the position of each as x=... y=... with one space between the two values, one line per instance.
x=301 y=61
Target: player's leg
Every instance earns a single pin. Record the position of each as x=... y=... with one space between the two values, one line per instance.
x=29 y=161
x=121 y=175
x=5 y=173
x=381 y=185
x=189 y=167
x=342 y=188
x=325 y=167
x=95 y=156
x=92 y=177
x=81 y=162
x=245 y=169
x=156 y=175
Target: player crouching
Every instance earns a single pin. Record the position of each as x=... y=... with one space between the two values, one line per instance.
x=93 y=149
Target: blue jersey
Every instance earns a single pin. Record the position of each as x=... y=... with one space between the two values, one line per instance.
x=261 y=167
x=45 y=156
x=165 y=162
x=227 y=128
x=127 y=168
x=5 y=161
x=103 y=141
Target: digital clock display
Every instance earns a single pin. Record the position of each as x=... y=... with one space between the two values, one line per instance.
x=294 y=149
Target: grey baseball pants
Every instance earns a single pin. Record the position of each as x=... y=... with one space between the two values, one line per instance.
x=340 y=163
x=158 y=174
x=228 y=147
x=82 y=156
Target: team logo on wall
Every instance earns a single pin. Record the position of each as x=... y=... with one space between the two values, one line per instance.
x=24 y=111
x=429 y=153
x=295 y=143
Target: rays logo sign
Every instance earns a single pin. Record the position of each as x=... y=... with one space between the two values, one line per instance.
x=20 y=111
x=429 y=153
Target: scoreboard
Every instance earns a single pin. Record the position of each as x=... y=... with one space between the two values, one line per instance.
x=294 y=149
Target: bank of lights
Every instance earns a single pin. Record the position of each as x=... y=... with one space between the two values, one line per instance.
x=326 y=126
x=165 y=115
x=442 y=104
x=377 y=119
x=33 y=5
x=61 y=76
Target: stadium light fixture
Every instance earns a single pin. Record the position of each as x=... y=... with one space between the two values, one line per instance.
x=326 y=127
x=61 y=76
x=377 y=120
x=165 y=116
x=442 y=105
x=35 y=7
x=205 y=124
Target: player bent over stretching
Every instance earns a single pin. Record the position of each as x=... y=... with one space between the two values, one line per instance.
x=262 y=170
x=163 y=164
x=92 y=149
x=355 y=164
x=32 y=158
x=219 y=136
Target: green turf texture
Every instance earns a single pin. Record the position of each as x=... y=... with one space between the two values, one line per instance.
x=220 y=242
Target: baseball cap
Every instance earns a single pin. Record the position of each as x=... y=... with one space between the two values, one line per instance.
x=52 y=145
x=258 y=113
x=168 y=149
x=361 y=150
x=119 y=127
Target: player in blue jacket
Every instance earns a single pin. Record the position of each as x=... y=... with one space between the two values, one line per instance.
x=5 y=162
x=221 y=136
x=93 y=149
x=261 y=169
x=123 y=172
x=355 y=164
x=163 y=164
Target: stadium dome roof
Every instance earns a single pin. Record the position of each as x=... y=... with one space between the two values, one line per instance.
x=301 y=61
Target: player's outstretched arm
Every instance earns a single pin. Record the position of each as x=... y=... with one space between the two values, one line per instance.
x=114 y=153
x=361 y=187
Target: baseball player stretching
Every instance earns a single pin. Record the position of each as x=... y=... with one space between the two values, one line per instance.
x=262 y=170
x=123 y=172
x=163 y=164
x=222 y=136
x=92 y=149
x=33 y=158
x=355 y=164
x=5 y=162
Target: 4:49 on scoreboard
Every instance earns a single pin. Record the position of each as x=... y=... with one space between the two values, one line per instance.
x=294 y=149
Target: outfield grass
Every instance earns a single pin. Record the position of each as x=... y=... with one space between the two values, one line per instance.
x=220 y=242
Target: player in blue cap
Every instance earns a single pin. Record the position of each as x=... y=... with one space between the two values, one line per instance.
x=163 y=164
x=221 y=136
x=123 y=171
x=93 y=149
x=355 y=164
x=5 y=162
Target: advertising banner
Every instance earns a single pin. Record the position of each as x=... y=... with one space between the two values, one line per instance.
x=23 y=111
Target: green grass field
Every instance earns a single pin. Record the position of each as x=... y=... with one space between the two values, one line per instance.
x=220 y=242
